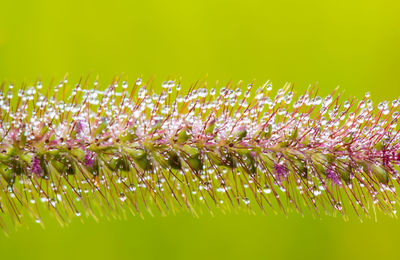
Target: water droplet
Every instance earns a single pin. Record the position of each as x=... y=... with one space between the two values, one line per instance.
x=267 y=190
x=122 y=197
x=327 y=101
x=317 y=100
x=246 y=200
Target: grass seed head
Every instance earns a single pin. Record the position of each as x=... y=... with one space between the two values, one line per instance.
x=130 y=147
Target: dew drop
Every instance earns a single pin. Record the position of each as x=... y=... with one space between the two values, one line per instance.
x=317 y=100
x=267 y=190
x=165 y=84
x=122 y=197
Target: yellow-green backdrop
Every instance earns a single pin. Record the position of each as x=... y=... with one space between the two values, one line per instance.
x=354 y=44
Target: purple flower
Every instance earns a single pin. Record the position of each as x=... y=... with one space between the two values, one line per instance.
x=79 y=127
x=281 y=172
x=89 y=159
x=36 y=168
x=332 y=175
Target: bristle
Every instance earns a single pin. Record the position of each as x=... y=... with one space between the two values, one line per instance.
x=128 y=147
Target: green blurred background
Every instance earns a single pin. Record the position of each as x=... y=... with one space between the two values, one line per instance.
x=354 y=44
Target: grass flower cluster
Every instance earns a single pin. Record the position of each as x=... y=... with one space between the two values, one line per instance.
x=103 y=152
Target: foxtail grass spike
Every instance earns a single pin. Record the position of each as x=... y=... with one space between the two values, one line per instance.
x=80 y=150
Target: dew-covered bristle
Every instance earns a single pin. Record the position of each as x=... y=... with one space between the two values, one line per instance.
x=101 y=152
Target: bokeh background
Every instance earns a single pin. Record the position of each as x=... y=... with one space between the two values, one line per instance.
x=354 y=44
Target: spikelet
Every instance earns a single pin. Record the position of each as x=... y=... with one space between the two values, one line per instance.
x=129 y=148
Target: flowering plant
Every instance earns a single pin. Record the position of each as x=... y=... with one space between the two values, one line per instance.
x=130 y=148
